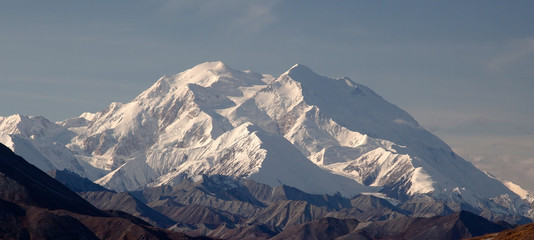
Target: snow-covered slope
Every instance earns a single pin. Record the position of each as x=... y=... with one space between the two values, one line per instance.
x=43 y=143
x=318 y=134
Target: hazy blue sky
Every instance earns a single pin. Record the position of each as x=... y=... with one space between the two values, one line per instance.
x=463 y=69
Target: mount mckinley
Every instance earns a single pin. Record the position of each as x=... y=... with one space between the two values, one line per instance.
x=314 y=133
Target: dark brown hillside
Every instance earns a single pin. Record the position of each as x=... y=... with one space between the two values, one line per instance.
x=25 y=184
x=522 y=232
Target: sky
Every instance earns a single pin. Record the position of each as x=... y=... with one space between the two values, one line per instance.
x=463 y=69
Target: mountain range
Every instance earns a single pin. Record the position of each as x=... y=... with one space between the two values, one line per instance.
x=301 y=130
x=35 y=206
x=224 y=207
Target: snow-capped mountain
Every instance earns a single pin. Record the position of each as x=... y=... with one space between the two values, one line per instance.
x=318 y=134
x=188 y=124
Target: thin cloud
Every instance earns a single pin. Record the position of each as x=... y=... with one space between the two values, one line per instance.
x=507 y=157
x=519 y=171
x=235 y=15
x=514 y=57
x=258 y=16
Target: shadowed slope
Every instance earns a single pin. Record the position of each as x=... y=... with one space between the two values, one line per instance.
x=25 y=184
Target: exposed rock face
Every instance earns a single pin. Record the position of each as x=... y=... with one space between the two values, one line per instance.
x=127 y=203
x=455 y=226
x=231 y=208
x=324 y=228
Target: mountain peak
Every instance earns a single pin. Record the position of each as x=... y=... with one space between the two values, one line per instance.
x=299 y=65
x=204 y=74
x=15 y=118
x=301 y=71
x=22 y=124
x=215 y=67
